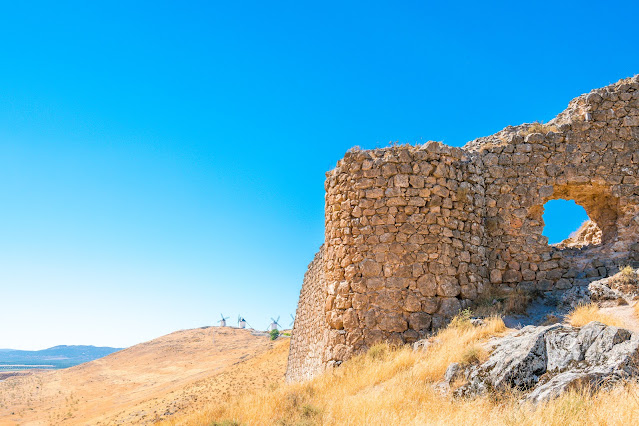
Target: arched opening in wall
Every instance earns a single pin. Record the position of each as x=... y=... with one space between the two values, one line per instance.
x=567 y=225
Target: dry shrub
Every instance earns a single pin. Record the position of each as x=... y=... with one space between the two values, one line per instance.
x=462 y=319
x=550 y=319
x=517 y=302
x=585 y=314
x=496 y=302
x=474 y=355
x=379 y=351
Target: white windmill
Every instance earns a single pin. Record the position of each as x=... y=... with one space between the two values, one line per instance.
x=241 y=322
x=223 y=321
x=292 y=320
x=274 y=325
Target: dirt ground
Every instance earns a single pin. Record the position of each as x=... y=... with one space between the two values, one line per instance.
x=176 y=373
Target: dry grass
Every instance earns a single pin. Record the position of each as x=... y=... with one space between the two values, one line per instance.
x=394 y=386
x=455 y=343
x=538 y=127
x=584 y=314
x=358 y=392
x=636 y=309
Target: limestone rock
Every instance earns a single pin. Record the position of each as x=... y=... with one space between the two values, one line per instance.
x=599 y=291
x=424 y=344
x=578 y=295
x=553 y=359
x=517 y=361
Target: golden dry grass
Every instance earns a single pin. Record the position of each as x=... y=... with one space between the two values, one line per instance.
x=361 y=386
x=383 y=386
x=636 y=309
x=584 y=314
x=538 y=127
x=395 y=386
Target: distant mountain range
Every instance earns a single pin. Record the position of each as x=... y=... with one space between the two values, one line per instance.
x=58 y=356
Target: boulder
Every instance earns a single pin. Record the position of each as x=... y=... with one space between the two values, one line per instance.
x=599 y=291
x=550 y=360
x=570 y=299
x=517 y=361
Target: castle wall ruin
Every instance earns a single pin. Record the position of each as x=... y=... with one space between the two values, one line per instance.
x=416 y=233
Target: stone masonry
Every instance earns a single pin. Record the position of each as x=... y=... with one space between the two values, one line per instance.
x=416 y=233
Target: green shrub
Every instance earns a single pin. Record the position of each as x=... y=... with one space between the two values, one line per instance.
x=274 y=334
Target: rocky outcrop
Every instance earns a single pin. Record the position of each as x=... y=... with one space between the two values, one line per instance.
x=547 y=361
x=623 y=286
x=588 y=234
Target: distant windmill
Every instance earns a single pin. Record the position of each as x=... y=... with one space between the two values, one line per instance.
x=223 y=321
x=292 y=320
x=274 y=325
x=241 y=322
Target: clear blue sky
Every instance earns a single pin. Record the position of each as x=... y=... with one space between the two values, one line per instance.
x=162 y=162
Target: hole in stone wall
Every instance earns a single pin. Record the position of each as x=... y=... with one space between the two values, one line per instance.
x=567 y=225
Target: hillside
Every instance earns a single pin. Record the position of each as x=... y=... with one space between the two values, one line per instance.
x=175 y=373
x=62 y=356
x=403 y=386
x=203 y=376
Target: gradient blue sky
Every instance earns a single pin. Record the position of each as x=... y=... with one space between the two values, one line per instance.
x=162 y=162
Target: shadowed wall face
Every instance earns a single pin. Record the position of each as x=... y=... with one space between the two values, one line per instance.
x=414 y=234
x=308 y=340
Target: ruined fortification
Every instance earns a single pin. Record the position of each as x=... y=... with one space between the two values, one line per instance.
x=415 y=233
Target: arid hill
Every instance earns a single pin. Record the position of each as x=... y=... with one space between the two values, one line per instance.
x=176 y=373
x=416 y=385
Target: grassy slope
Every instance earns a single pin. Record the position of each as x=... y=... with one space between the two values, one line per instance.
x=199 y=377
x=387 y=386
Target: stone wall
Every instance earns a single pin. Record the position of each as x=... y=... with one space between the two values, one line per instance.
x=589 y=154
x=415 y=233
x=403 y=243
x=308 y=340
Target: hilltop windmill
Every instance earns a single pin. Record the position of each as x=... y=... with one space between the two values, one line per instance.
x=292 y=320
x=241 y=322
x=223 y=320
x=274 y=325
